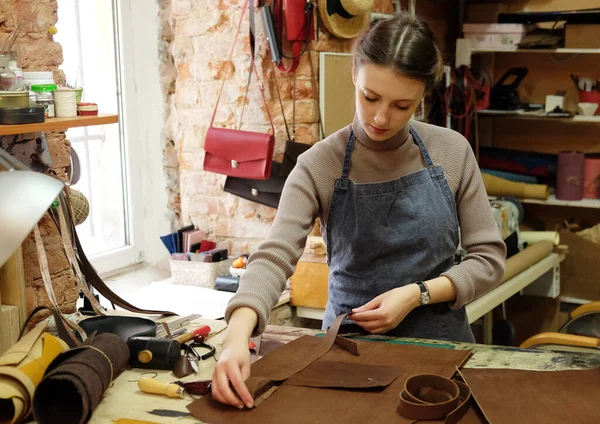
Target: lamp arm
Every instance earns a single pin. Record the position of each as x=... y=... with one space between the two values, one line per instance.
x=8 y=162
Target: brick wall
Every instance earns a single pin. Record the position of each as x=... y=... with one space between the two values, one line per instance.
x=196 y=43
x=38 y=51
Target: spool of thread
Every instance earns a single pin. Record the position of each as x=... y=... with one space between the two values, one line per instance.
x=591 y=178
x=78 y=94
x=569 y=180
x=79 y=206
x=65 y=102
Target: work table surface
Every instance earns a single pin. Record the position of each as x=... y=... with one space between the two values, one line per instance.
x=124 y=403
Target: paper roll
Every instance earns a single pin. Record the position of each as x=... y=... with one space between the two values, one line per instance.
x=533 y=237
x=496 y=186
x=526 y=258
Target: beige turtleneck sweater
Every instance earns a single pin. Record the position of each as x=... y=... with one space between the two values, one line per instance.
x=307 y=195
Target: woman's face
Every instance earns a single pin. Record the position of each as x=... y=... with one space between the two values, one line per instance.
x=385 y=100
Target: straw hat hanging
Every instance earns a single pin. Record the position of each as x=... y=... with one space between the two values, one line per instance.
x=345 y=18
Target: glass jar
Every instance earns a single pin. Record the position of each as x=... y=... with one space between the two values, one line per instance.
x=46 y=100
x=42 y=96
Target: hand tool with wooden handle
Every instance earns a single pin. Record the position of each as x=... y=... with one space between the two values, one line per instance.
x=200 y=331
x=151 y=385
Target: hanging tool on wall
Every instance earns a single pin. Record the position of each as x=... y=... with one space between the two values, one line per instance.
x=297 y=19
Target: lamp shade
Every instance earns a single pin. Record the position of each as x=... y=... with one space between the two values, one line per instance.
x=24 y=197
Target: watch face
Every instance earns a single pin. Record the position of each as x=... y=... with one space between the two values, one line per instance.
x=425 y=299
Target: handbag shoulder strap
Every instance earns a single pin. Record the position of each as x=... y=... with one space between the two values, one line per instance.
x=252 y=67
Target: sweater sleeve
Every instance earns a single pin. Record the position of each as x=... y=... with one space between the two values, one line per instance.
x=275 y=260
x=482 y=268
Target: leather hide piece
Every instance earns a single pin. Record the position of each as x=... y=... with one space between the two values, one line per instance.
x=549 y=397
x=299 y=404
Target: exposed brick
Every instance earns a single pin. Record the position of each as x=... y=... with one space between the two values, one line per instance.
x=181 y=7
x=201 y=42
x=37 y=51
x=305 y=111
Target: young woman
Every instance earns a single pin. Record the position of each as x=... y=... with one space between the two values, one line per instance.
x=395 y=198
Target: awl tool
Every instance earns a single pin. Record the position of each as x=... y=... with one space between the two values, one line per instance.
x=153 y=386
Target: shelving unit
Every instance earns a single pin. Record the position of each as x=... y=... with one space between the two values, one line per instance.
x=60 y=124
x=577 y=119
x=544 y=51
x=464 y=53
x=553 y=201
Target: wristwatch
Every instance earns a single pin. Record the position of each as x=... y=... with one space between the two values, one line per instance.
x=425 y=297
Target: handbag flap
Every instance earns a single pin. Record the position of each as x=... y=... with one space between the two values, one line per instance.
x=273 y=185
x=294 y=149
x=238 y=145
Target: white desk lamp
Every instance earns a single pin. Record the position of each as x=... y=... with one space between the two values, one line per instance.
x=25 y=196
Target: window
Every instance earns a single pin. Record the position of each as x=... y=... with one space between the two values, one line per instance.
x=86 y=32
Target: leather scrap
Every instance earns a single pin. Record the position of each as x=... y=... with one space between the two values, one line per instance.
x=280 y=371
x=345 y=375
x=300 y=404
x=22 y=368
x=183 y=367
x=549 y=397
x=349 y=345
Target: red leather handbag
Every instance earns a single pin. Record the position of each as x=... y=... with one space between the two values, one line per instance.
x=238 y=153
x=299 y=28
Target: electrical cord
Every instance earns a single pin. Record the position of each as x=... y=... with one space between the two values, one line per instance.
x=466 y=89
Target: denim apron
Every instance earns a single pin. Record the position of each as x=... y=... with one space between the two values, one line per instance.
x=386 y=235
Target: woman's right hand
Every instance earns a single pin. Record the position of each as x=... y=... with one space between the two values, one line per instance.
x=234 y=366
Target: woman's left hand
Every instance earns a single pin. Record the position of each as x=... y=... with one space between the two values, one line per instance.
x=387 y=310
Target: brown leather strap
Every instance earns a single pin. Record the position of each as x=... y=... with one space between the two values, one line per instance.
x=92 y=277
x=259 y=384
x=60 y=321
x=433 y=397
x=67 y=239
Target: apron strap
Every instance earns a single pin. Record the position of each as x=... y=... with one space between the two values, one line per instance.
x=424 y=152
x=348 y=156
x=350 y=149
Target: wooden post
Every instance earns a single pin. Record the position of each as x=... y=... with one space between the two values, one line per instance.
x=12 y=284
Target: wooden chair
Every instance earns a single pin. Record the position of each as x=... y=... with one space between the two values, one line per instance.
x=581 y=333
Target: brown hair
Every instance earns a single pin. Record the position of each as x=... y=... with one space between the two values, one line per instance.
x=404 y=43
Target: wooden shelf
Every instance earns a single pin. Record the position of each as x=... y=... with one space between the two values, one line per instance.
x=577 y=119
x=59 y=124
x=553 y=201
x=545 y=51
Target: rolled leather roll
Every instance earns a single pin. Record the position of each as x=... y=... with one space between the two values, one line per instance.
x=76 y=380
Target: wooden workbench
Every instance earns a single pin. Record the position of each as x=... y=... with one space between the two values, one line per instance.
x=125 y=404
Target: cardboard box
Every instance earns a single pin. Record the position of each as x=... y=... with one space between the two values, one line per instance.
x=309 y=284
x=582 y=36
x=580 y=271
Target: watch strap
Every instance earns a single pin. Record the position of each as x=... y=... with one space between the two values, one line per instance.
x=422 y=286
